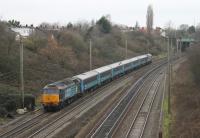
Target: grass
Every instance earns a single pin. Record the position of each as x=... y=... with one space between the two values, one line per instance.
x=38 y=102
x=166 y=120
x=162 y=55
x=2 y=120
x=5 y=88
x=185 y=103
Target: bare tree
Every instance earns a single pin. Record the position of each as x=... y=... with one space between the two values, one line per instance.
x=198 y=27
x=184 y=27
x=149 y=19
x=137 y=25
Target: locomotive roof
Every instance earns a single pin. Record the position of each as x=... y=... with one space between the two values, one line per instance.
x=61 y=84
x=86 y=75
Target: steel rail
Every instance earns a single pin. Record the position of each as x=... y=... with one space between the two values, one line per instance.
x=126 y=111
x=140 y=108
x=78 y=106
x=104 y=122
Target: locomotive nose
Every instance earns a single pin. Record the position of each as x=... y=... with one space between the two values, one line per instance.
x=52 y=99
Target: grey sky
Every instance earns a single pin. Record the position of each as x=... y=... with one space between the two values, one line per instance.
x=125 y=12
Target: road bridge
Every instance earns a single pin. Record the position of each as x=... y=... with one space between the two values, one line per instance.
x=185 y=42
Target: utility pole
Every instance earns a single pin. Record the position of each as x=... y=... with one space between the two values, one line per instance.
x=177 y=44
x=22 y=70
x=181 y=45
x=19 y=37
x=169 y=78
x=126 y=48
x=171 y=49
x=168 y=53
x=90 y=54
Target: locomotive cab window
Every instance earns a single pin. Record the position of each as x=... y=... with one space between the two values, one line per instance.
x=50 y=91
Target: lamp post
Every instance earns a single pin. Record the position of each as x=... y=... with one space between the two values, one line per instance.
x=169 y=45
x=19 y=38
x=168 y=68
x=126 y=48
x=90 y=54
x=169 y=73
x=22 y=33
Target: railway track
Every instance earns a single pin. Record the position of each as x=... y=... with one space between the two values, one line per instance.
x=25 y=126
x=21 y=124
x=143 y=101
x=21 y=119
x=106 y=128
x=51 y=128
x=68 y=117
x=138 y=125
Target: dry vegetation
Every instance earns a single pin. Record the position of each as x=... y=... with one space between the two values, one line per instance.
x=186 y=98
x=53 y=55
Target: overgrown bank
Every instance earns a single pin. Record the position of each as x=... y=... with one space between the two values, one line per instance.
x=185 y=98
x=53 y=55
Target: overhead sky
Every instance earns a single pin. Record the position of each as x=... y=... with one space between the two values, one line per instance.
x=125 y=12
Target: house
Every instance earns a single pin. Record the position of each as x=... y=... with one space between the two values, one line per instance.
x=23 y=31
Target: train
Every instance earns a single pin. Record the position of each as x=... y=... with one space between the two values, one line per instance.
x=58 y=94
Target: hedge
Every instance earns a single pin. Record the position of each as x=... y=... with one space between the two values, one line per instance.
x=10 y=102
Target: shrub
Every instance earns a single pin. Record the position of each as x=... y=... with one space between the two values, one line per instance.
x=29 y=102
x=34 y=43
x=194 y=54
x=11 y=105
x=3 y=111
x=104 y=24
x=72 y=39
x=13 y=101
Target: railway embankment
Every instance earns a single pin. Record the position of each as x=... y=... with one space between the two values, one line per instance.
x=185 y=100
x=63 y=53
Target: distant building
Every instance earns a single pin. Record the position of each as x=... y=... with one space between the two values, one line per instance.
x=49 y=27
x=163 y=33
x=24 y=31
x=143 y=29
x=126 y=28
x=158 y=30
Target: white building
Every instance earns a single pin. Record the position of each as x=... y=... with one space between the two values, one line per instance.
x=23 y=31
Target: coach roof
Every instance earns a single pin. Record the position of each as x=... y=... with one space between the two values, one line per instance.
x=86 y=75
x=103 y=69
x=126 y=61
x=115 y=65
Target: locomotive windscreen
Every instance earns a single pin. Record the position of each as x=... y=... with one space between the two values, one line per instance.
x=50 y=91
